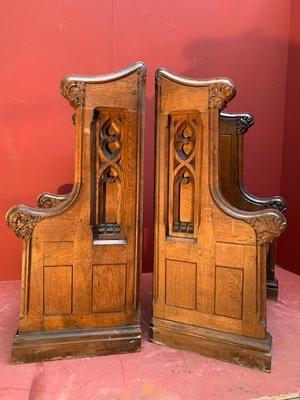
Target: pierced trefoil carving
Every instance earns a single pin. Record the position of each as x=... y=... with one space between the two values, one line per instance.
x=109 y=130
x=184 y=131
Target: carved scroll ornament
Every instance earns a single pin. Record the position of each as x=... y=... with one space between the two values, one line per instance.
x=49 y=200
x=74 y=92
x=22 y=222
x=278 y=203
x=243 y=123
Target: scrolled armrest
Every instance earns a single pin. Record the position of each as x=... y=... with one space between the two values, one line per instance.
x=268 y=223
x=276 y=202
x=22 y=220
x=49 y=200
x=243 y=121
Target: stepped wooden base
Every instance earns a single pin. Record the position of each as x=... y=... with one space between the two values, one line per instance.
x=272 y=289
x=32 y=347
x=241 y=350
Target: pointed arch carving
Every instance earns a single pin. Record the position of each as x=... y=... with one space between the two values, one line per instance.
x=109 y=127
x=109 y=211
x=184 y=197
x=184 y=131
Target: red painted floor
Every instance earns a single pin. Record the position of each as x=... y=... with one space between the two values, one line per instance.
x=156 y=372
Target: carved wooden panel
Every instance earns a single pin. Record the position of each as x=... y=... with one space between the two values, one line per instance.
x=109 y=128
x=184 y=137
x=82 y=252
x=210 y=258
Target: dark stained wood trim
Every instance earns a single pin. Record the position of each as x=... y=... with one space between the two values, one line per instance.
x=247 y=352
x=236 y=125
x=58 y=345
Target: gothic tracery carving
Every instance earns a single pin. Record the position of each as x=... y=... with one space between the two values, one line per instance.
x=182 y=165
x=110 y=128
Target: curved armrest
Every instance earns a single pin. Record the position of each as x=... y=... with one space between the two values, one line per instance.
x=49 y=200
x=22 y=219
x=243 y=121
x=277 y=202
x=268 y=223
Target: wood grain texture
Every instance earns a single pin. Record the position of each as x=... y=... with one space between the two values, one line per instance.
x=109 y=288
x=181 y=284
x=229 y=292
x=56 y=345
x=195 y=225
x=82 y=253
x=231 y=176
x=231 y=255
x=58 y=290
x=240 y=350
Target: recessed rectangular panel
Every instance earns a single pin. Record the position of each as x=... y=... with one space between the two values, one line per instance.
x=109 y=288
x=181 y=284
x=57 y=290
x=229 y=292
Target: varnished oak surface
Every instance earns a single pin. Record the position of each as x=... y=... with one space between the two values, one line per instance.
x=231 y=150
x=156 y=372
x=210 y=256
x=82 y=251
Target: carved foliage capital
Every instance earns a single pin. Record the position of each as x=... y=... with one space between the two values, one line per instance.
x=74 y=92
x=22 y=222
x=267 y=228
x=243 y=123
x=220 y=94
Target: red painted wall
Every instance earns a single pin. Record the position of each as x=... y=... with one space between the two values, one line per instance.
x=42 y=40
x=290 y=178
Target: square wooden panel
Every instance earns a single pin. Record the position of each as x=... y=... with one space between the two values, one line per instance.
x=109 y=288
x=181 y=284
x=229 y=292
x=58 y=290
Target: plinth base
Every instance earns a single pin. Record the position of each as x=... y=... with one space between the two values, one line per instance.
x=272 y=289
x=45 y=346
x=241 y=350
